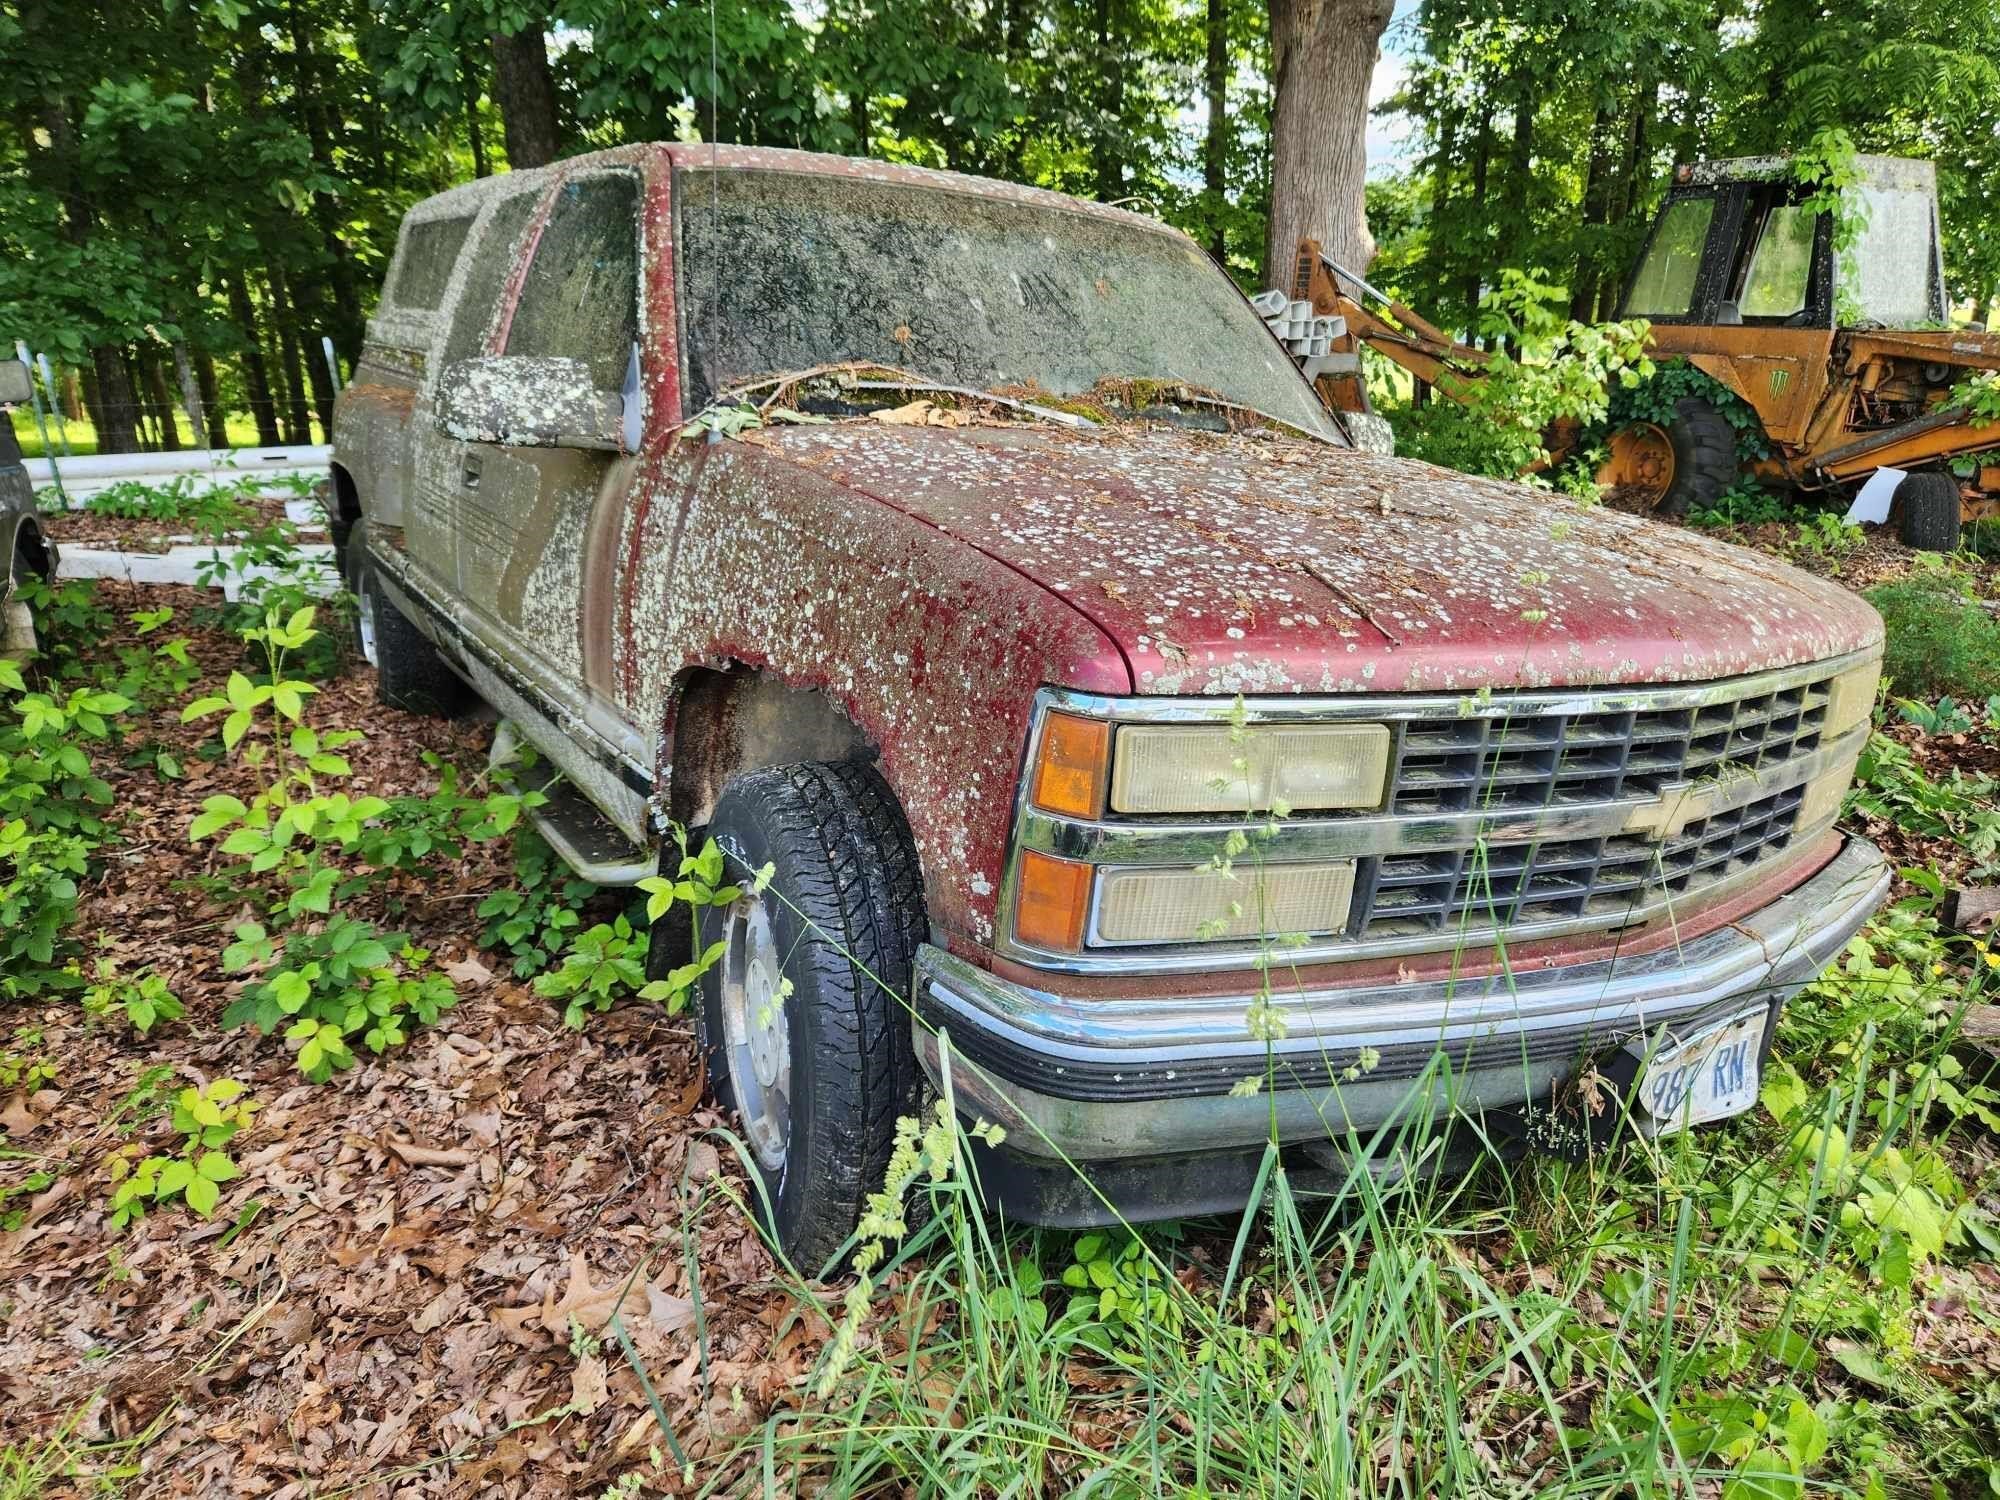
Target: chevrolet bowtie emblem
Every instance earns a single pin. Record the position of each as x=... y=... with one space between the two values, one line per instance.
x=1669 y=813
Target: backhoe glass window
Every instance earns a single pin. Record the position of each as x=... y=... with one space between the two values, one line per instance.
x=1888 y=276
x=1664 y=287
x=1781 y=268
x=486 y=275
x=423 y=265
x=784 y=271
x=581 y=297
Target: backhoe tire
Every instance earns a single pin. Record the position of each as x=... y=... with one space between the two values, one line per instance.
x=1705 y=465
x=1929 y=503
x=409 y=672
x=804 y=1019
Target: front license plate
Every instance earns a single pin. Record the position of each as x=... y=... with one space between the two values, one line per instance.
x=1707 y=1077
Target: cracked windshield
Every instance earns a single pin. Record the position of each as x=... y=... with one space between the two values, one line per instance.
x=783 y=271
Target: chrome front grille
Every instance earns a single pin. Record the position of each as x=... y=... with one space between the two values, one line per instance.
x=1471 y=890
x=1548 y=760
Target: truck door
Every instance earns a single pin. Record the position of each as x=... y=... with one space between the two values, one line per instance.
x=537 y=529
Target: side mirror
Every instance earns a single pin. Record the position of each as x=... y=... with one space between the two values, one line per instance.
x=17 y=386
x=536 y=401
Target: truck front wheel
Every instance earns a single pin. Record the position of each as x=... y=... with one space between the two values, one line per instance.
x=804 y=1021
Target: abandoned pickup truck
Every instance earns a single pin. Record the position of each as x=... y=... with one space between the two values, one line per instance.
x=1138 y=759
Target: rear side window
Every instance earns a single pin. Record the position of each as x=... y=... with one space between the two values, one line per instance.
x=581 y=296
x=423 y=266
x=1664 y=287
x=486 y=275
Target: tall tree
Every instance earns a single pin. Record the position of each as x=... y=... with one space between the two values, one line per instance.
x=525 y=90
x=1323 y=56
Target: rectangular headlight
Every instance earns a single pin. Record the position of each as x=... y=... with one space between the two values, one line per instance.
x=1188 y=905
x=1191 y=768
x=1850 y=697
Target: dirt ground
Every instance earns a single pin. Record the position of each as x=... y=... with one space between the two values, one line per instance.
x=89 y=528
x=397 y=1312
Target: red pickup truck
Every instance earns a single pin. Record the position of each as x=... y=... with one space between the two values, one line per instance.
x=1135 y=754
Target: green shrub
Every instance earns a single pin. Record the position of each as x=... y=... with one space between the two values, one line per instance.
x=1940 y=643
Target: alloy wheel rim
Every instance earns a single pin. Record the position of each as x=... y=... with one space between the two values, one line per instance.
x=756 y=1038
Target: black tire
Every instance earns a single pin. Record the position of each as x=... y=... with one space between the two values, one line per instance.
x=409 y=672
x=1705 y=464
x=1930 y=510
x=844 y=912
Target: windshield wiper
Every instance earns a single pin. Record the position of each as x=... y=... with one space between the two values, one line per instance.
x=903 y=381
x=1189 y=395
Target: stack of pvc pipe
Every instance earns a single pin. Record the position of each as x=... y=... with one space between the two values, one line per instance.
x=1297 y=329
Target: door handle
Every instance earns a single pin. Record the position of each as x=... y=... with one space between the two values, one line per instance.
x=470 y=473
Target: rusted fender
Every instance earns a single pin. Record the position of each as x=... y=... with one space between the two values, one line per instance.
x=932 y=648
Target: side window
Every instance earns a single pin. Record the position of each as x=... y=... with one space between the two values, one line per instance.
x=1780 y=275
x=1664 y=287
x=581 y=296
x=423 y=265
x=486 y=276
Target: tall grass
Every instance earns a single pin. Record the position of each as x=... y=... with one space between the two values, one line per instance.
x=1664 y=1318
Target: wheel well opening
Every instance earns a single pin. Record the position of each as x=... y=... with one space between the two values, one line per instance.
x=728 y=722
x=31 y=549
x=346 y=498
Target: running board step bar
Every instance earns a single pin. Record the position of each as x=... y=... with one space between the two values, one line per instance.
x=582 y=837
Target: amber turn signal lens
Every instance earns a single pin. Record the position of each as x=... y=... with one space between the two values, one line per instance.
x=1052 y=896
x=1071 y=766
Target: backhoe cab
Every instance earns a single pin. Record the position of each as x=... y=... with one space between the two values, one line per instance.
x=1840 y=349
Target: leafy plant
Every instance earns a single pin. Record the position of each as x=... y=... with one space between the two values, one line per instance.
x=143 y=999
x=1942 y=717
x=1496 y=424
x=1940 y=643
x=1827 y=537
x=601 y=965
x=22 y=1064
x=207 y=1119
x=533 y=920
x=325 y=987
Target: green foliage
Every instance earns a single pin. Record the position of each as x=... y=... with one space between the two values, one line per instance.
x=330 y=984
x=23 y=1065
x=696 y=886
x=601 y=965
x=1827 y=538
x=533 y=920
x=1939 y=641
x=207 y=1119
x=1890 y=785
x=143 y=999
x=212 y=510
x=1497 y=423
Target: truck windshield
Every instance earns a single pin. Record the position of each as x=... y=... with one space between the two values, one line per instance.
x=783 y=271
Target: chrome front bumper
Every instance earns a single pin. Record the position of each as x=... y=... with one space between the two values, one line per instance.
x=1106 y=1080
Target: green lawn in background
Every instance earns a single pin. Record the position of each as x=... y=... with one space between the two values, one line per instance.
x=82 y=436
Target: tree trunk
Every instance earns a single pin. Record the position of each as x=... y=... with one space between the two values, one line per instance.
x=211 y=400
x=469 y=81
x=1215 y=152
x=256 y=375
x=1107 y=146
x=1596 y=196
x=1634 y=171
x=298 y=419
x=163 y=404
x=525 y=90
x=1482 y=165
x=114 y=410
x=1323 y=55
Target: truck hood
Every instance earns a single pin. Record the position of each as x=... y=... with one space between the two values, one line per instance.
x=1259 y=564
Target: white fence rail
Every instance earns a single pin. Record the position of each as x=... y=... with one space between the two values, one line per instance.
x=202 y=468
